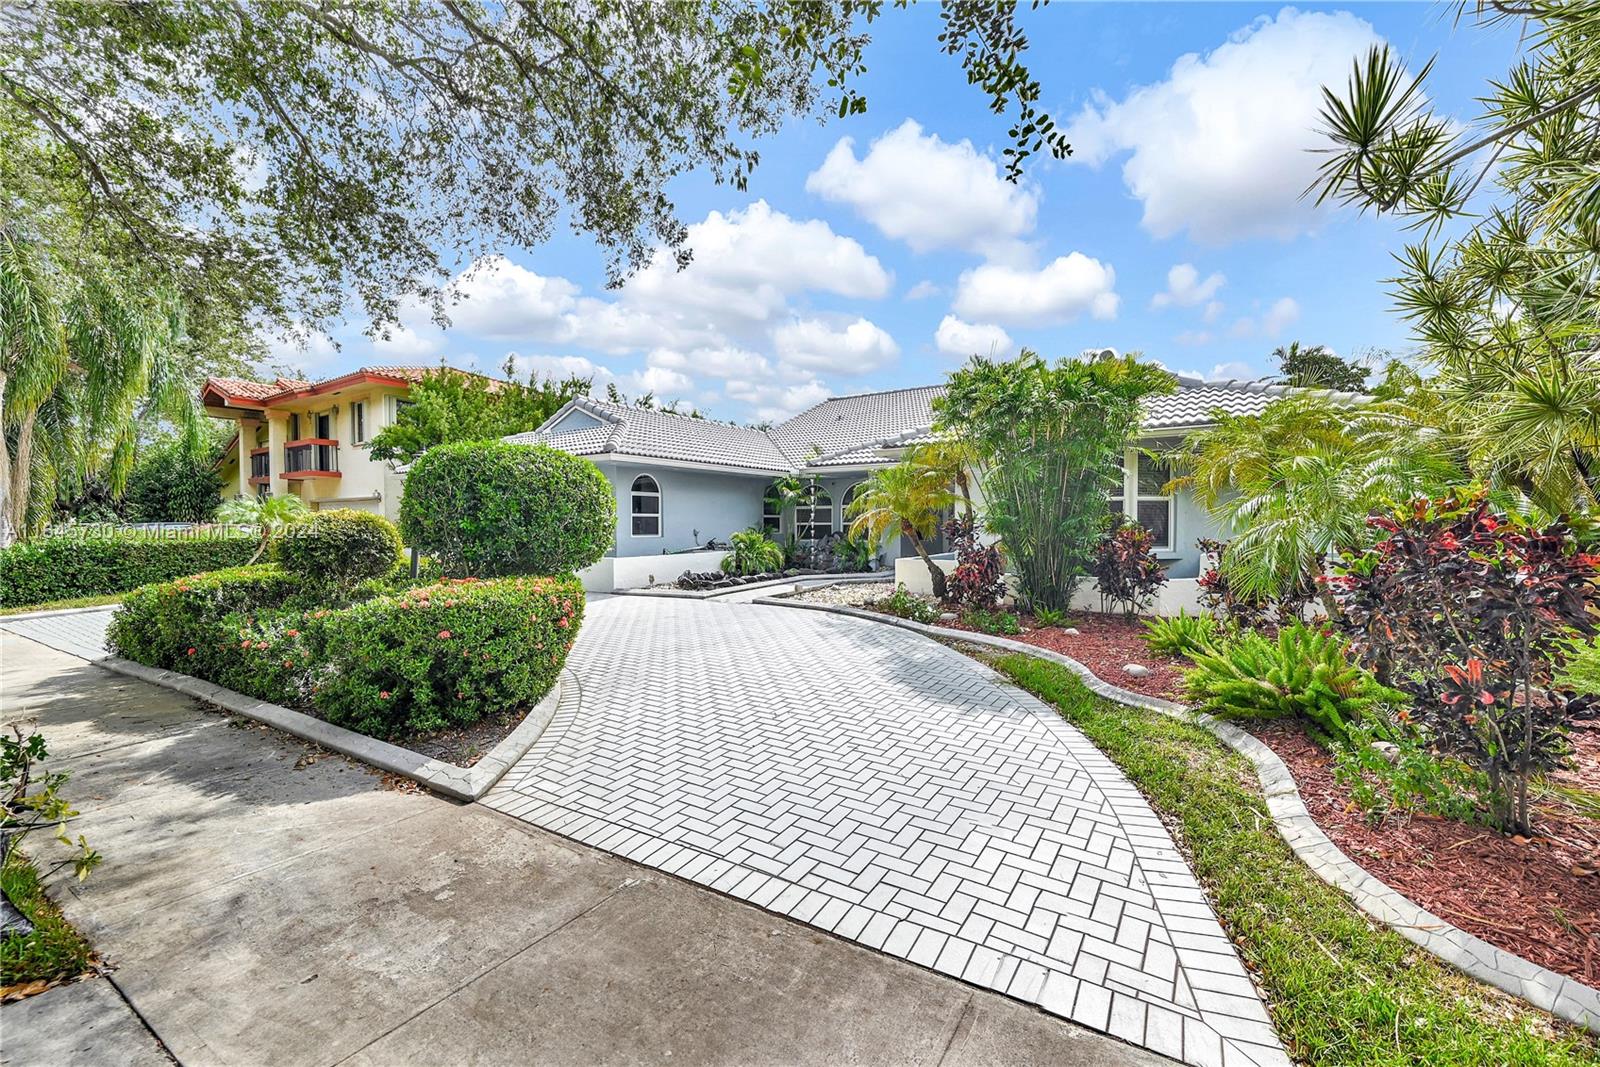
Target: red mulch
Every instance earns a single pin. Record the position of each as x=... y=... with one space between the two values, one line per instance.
x=1538 y=897
x=1105 y=644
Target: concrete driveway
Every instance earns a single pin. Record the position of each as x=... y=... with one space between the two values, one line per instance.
x=263 y=903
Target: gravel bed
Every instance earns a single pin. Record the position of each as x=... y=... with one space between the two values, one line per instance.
x=848 y=594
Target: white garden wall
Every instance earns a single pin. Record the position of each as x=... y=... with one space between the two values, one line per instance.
x=1177 y=594
x=637 y=572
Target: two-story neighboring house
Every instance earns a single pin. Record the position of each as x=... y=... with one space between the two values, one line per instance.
x=312 y=438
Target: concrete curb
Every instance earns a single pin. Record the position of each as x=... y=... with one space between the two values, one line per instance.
x=56 y=611
x=799 y=579
x=458 y=783
x=1566 y=998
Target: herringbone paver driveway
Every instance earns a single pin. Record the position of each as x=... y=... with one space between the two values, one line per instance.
x=873 y=783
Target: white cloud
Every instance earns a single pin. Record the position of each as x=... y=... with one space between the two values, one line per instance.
x=1283 y=312
x=773 y=402
x=724 y=362
x=922 y=290
x=928 y=193
x=962 y=339
x=302 y=349
x=661 y=381
x=1185 y=289
x=1222 y=146
x=1194 y=338
x=1212 y=311
x=1219 y=371
x=559 y=367
x=1067 y=287
x=857 y=347
x=403 y=342
x=500 y=299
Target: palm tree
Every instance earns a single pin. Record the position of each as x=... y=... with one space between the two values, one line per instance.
x=269 y=514
x=1296 y=486
x=80 y=362
x=904 y=499
x=952 y=460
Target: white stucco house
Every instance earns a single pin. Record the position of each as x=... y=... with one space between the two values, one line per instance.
x=681 y=482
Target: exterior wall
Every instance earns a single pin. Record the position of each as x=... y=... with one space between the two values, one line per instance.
x=696 y=506
x=638 y=572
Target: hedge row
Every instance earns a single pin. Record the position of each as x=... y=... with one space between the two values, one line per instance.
x=64 y=568
x=392 y=665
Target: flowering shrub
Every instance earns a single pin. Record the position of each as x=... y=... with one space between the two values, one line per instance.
x=979 y=579
x=1472 y=614
x=388 y=664
x=443 y=655
x=1127 y=571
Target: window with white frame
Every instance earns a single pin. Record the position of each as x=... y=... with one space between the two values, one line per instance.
x=1153 y=507
x=1115 y=500
x=358 y=421
x=772 y=511
x=850 y=495
x=646 y=507
x=813 y=516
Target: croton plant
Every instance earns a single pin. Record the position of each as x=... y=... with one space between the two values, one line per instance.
x=1470 y=611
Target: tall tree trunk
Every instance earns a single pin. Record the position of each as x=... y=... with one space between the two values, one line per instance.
x=21 y=478
x=7 y=534
x=940 y=589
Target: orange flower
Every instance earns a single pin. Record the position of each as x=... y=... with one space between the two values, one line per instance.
x=293 y=633
x=444 y=635
x=383 y=694
x=190 y=652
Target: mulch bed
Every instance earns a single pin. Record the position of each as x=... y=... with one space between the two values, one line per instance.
x=1105 y=644
x=466 y=745
x=1538 y=897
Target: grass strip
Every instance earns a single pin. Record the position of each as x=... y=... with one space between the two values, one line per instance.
x=76 y=602
x=54 y=951
x=1341 y=989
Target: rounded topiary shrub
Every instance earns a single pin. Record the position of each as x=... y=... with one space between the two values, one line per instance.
x=490 y=508
x=447 y=654
x=340 y=546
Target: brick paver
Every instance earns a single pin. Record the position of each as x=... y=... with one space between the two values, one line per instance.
x=77 y=633
x=878 y=785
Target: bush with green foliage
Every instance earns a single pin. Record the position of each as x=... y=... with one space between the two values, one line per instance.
x=1183 y=634
x=443 y=655
x=83 y=565
x=172 y=482
x=492 y=508
x=753 y=552
x=342 y=546
x=905 y=604
x=1049 y=617
x=238 y=628
x=1390 y=770
x=1046 y=438
x=993 y=622
x=1305 y=674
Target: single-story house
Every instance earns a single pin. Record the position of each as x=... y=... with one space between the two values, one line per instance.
x=681 y=482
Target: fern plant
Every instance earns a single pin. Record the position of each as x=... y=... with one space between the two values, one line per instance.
x=1304 y=674
x=1183 y=634
x=753 y=552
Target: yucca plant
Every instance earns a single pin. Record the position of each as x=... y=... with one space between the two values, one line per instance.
x=1304 y=674
x=1183 y=634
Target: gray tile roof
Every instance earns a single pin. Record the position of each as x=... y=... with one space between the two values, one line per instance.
x=848 y=431
x=634 y=431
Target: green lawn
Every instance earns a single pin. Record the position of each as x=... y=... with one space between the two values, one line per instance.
x=1341 y=990
x=54 y=950
x=79 y=602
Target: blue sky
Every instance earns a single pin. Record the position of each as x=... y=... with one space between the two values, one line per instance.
x=879 y=251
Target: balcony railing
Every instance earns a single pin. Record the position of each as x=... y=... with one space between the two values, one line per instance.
x=312 y=457
x=260 y=465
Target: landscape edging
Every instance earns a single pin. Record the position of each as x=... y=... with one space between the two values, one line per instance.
x=1564 y=997
x=20 y=615
x=458 y=783
x=712 y=594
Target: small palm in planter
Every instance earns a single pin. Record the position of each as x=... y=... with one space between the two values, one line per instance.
x=269 y=514
x=903 y=499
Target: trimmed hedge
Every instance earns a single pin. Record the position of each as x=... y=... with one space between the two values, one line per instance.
x=490 y=508
x=67 y=567
x=390 y=664
x=443 y=655
x=343 y=545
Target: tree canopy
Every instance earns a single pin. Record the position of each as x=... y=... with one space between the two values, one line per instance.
x=1316 y=367
x=450 y=405
x=281 y=161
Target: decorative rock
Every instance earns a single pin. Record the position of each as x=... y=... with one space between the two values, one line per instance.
x=948 y=616
x=1071 y=631
x=1387 y=749
x=1135 y=670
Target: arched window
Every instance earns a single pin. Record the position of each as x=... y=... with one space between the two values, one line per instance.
x=813 y=516
x=772 y=511
x=646 y=509
x=850 y=494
